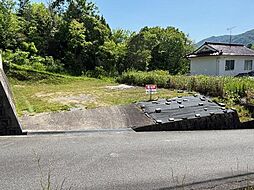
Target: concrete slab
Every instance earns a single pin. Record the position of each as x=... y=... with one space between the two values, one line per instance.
x=115 y=117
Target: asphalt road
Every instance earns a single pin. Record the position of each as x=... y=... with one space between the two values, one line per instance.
x=124 y=160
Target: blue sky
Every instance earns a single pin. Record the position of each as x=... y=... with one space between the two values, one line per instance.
x=198 y=18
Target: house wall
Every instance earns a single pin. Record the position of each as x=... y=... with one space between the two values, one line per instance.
x=215 y=65
x=204 y=66
x=239 y=65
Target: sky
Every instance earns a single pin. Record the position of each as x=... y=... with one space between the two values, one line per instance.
x=197 y=18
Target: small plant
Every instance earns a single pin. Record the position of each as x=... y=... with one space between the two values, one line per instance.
x=46 y=184
x=250 y=97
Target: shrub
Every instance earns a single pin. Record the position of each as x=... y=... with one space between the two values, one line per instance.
x=99 y=73
x=142 y=78
x=53 y=65
x=29 y=60
x=38 y=66
x=207 y=85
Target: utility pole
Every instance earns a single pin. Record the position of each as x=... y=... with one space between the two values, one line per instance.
x=230 y=35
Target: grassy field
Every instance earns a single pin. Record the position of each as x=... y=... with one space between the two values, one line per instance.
x=68 y=92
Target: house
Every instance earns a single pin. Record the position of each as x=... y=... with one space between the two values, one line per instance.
x=221 y=59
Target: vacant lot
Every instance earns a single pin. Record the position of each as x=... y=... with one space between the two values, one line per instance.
x=37 y=92
x=75 y=92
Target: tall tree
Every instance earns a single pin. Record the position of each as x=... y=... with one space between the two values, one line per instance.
x=9 y=25
x=140 y=47
x=158 y=48
x=39 y=26
x=114 y=50
x=72 y=33
x=22 y=6
x=95 y=33
x=170 y=53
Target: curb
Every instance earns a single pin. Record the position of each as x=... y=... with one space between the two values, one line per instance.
x=64 y=132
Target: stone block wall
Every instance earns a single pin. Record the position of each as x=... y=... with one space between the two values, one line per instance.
x=228 y=120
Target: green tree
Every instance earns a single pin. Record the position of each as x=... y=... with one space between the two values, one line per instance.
x=39 y=26
x=158 y=48
x=77 y=47
x=22 y=7
x=92 y=32
x=140 y=46
x=114 y=50
x=170 y=53
x=72 y=34
x=9 y=25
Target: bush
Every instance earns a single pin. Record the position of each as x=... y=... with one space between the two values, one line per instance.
x=142 y=78
x=99 y=73
x=53 y=65
x=27 y=60
x=207 y=85
x=38 y=66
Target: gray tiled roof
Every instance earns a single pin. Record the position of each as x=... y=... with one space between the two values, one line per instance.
x=225 y=49
x=231 y=49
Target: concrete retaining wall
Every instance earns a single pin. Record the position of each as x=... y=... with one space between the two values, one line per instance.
x=9 y=124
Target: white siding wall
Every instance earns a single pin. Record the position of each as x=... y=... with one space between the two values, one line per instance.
x=204 y=66
x=239 y=65
x=215 y=65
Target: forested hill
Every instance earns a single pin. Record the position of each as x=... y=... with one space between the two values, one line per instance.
x=244 y=38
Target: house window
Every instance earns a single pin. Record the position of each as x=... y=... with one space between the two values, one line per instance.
x=230 y=65
x=248 y=65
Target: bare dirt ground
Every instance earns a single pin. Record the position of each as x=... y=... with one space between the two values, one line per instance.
x=77 y=100
x=120 y=87
x=115 y=117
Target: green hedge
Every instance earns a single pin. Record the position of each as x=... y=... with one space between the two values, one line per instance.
x=207 y=85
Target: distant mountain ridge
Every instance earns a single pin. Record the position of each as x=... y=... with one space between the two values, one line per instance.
x=244 y=38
